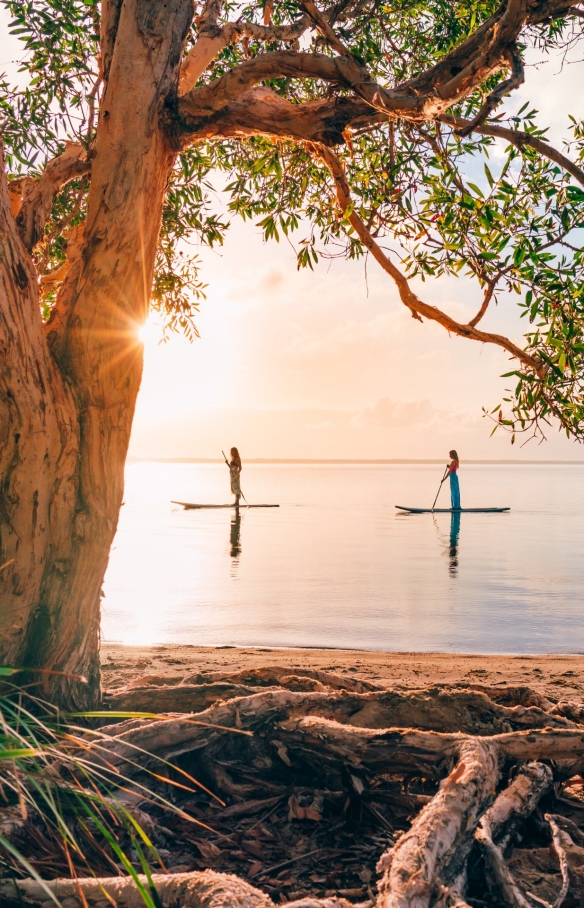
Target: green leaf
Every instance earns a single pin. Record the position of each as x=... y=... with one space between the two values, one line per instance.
x=477 y=189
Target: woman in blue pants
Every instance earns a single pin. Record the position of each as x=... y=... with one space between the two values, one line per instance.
x=454 y=486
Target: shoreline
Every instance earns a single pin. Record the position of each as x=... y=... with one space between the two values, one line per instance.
x=557 y=676
x=348 y=461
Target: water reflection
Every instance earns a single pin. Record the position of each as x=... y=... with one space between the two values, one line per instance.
x=453 y=553
x=450 y=543
x=335 y=566
x=235 y=537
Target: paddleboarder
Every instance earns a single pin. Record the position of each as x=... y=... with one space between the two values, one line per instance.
x=452 y=468
x=235 y=468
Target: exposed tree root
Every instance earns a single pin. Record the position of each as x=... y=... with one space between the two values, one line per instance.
x=196 y=692
x=179 y=890
x=436 y=709
x=436 y=786
x=519 y=799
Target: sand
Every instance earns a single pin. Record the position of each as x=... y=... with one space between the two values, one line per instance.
x=556 y=676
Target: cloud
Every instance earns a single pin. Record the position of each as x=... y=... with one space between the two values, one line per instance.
x=412 y=414
x=350 y=334
x=271 y=280
x=326 y=424
x=396 y=414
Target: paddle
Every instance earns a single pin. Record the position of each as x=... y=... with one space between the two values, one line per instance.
x=439 y=487
x=227 y=462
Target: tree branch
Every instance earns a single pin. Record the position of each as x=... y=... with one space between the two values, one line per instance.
x=261 y=111
x=39 y=194
x=520 y=140
x=52 y=279
x=486 y=300
x=420 y=855
x=428 y=96
x=209 y=99
x=516 y=79
x=214 y=39
x=407 y=296
x=325 y=28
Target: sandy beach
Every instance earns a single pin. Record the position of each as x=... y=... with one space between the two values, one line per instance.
x=556 y=676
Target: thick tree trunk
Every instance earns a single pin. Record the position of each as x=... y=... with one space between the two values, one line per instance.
x=39 y=452
x=68 y=397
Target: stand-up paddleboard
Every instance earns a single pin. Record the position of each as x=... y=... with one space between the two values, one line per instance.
x=188 y=506
x=452 y=510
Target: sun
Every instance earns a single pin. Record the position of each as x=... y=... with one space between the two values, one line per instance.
x=150 y=331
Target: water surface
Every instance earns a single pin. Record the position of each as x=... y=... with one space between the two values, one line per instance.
x=336 y=565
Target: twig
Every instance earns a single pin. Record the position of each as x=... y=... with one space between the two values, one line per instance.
x=269 y=814
x=559 y=849
x=282 y=864
x=537 y=899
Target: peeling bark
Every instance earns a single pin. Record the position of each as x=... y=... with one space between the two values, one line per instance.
x=38 y=195
x=38 y=455
x=66 y=440
x=518 y=800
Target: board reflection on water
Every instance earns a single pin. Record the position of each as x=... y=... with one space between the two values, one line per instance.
x=451 y=546
x=235 y=537
x=337 y=566
x=453 y=549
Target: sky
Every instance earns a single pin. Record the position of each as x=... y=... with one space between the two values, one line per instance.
x=329 y=364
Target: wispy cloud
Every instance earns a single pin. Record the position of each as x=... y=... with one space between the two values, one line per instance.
x=413 y=414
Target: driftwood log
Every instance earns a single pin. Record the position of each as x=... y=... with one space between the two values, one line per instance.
x=466 y=785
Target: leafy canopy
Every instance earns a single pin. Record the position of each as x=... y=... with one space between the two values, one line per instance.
x=504 y=214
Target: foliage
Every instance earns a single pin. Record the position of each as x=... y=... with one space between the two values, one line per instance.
x=67 y=801
x=507 y=218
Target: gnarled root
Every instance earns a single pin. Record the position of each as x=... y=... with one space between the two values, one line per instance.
x=469 y=712
x=421 y=858
x=180 y=890
x=480 y=761
x=518 y=800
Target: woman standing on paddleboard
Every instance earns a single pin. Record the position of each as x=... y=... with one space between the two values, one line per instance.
x=454 y=486
x=235 y=468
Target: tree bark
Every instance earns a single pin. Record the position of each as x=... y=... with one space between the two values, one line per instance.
x=68 y=395
x=39 y=453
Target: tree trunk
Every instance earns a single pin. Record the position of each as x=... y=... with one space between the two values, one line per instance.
x=68 y=392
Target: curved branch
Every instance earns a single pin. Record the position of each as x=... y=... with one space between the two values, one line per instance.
x=407 y=296
x=516 y=79
x=38 y=195
x=213 y=40
x=520 y=139
x=325 y=27
x=208 y=99
x=486 y=300
x=491 y=48
x=263 y=112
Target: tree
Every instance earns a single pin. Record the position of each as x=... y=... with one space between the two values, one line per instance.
x=362 y=118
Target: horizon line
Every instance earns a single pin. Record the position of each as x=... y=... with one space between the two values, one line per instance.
x=328 y=460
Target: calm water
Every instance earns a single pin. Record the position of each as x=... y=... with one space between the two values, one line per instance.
x=337 y=566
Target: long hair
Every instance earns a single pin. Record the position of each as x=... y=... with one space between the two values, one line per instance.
x=235 y=458
x=454 y=456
